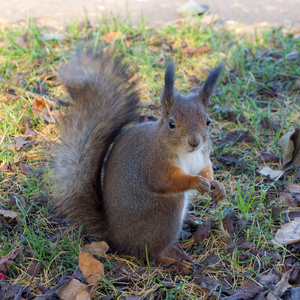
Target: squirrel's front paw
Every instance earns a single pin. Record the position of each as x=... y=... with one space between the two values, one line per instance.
x=203 y=185
x=217 y=191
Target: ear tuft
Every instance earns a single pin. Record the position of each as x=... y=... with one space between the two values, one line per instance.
x=208 y=87
x=167 y=98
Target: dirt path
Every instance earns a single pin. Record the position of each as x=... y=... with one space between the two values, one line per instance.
x=57 y=12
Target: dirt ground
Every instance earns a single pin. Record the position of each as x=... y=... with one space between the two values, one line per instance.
x=57 y=12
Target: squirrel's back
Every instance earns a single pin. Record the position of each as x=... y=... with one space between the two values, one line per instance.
x=104 y=100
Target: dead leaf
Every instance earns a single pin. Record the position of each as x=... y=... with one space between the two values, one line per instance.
x=268 y=172
x=90 y=267
x=4 y=167
x=28 y=131
x=270 y=124
x=196 y=51
x=294 y=188
x=17 y=197
x=289 y=233
x=84 y=295
x=8 y=214
x=233 y=117
x=202 y=232
x=270 y=157
x=25 y=169
x=8 y=259
x=70 y=290
x=96 y=248
x=287 y=199
x=283 y=284
x=233 y=137
x=42 y=109
x=112 y=36
x=290 y=145
x=247 y=291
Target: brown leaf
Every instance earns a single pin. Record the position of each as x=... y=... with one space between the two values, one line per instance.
x=290 y=145
x=289 y=233
x=234 y=117
x=8 y=214
x=28 y=131
x=247 y=291
x=8 y=258
x=283 y=284
x=84 y=295
x=196 y=51
x=270 y=124
x=25 y=169
x=202 y=232
x=70 y=290
x=42 y=109
x=17 y=197
x=96 y=248
x=233 y=137
x=270 y=157
x=294 y=188
x=4 y=167
x=90 y=267
x=112 y=36
x=287 y=199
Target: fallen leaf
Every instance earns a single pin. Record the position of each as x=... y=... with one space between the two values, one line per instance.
x=196 y=51
x=84 y=295
x=247 y=291
x=90 y=267
x=233 y=117
x=270 y=124
x=292 y=294
x=294 y=188
x=25 y=169
x=10 y=291
x=42 y=109
x=268 y=172
x=270 y=157
x=282 y=285
x=110 y=36
x=202 y=232
x=70 y=290
x=96 y=248
x=8 y=214
x=233 y=137
x=28 y=131
x=289 y=233
x=8 y=258
x=17 y=197
x=290 y=145
x=287 y=199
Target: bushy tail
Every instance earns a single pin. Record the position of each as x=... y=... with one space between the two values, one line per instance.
x=104 y=100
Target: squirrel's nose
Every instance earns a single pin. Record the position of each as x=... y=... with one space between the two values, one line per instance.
x=193 y=141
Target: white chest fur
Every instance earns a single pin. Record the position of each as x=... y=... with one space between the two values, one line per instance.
x=192 y=163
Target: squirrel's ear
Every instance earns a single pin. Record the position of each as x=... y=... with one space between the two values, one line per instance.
x=167 y=98
x=208 y=87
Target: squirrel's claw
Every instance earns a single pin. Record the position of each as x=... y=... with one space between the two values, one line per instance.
x=203 y=185
x=218 y=192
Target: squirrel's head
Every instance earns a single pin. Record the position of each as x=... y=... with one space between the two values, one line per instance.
x=185 y=123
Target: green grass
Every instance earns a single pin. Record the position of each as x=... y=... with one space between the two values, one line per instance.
x=29 y=67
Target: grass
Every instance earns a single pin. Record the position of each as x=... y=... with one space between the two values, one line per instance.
x=260 y=81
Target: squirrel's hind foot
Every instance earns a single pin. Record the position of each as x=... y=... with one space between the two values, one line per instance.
x=175 y=257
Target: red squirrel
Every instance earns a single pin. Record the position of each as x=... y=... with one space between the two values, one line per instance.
x=139 y=204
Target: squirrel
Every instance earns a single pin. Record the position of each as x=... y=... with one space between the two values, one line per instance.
x=139 y=204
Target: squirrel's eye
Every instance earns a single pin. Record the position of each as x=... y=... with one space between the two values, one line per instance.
x=207 y=121
x=172 y=124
